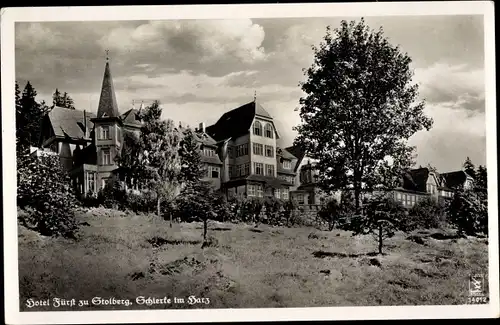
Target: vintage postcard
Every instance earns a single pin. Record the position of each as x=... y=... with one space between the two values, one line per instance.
x=249 y=162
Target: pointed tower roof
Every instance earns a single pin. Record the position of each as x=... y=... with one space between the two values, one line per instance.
x=107 y=102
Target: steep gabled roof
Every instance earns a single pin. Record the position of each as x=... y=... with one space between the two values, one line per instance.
x=236 y=122
x=108 y=106
x=69 y=122
x=131 y=117
x=297 y=152
x=455 y=179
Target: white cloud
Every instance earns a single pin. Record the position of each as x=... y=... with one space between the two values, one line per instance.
x=442 y=82
x=210 y=40
x=456 y=134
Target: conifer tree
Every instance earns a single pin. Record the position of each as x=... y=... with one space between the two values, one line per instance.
x=469 y=168
x=191 y=165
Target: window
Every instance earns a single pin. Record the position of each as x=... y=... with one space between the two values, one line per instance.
x=239 y=170
x=285 y=194
x=105 y=182
x=208 y=152
x=277 y=193
x=268 y=130
x=258 y=168
x=105 y=132
x=230 y=171
x=91 y=182
x=300 y=198
x=269 y=170
x=242 y=150
x=251 y=190
x=287 y=164
x=257 y=149
x=230 y=152
x=214 y=171
x=257 y=128
x=269 y=151
x=246 y=169
x=106 y=157
x=260 y=192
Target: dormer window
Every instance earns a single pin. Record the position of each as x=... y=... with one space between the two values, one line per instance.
x=287 y=164
x=257 y=128
x=268 y=130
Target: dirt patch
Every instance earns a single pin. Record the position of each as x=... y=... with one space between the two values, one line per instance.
x=159 y=241
x=428 y=274
x=417 y=239
x=323 y=254
x=176 y=267
x=444 y=236
x=404 y=284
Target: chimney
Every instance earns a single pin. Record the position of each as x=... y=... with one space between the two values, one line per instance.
x=202 y=127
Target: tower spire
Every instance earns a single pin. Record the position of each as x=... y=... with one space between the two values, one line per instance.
x=108 y=106
x=255 y=95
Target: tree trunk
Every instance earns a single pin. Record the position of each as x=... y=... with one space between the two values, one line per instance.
x=205 y=226
x=171 y=216
x=158 y=210
x=380 y=238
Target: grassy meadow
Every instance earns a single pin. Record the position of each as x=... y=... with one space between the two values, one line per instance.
x=127 y=256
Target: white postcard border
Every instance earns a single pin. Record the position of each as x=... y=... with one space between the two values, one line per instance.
x=11 y=295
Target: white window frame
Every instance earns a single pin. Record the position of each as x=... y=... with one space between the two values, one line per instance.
x=257 y=128
x=261 y=167
x=287 y=164
x=260 y=191
x=103 y=155
x=105 y=132
x=251 y=190
x=269 y=167
x=258 y=149
x=214 y=169
x=285 y=194
x=270 y=149
x=268 y=128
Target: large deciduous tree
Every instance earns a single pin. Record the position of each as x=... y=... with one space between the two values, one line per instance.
x=160 y=156
x=359 y=110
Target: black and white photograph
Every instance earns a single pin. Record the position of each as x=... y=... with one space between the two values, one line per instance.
x=249 y=162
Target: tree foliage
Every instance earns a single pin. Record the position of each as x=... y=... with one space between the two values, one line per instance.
x=152 y=159
x=383 y=217
x=62 y=100
x=359 y=110
x=45 y=191
x=191 y=165
x=428 y=213
x=29 y=115
x=468 y=210
x=196 y=203
x=469 y=167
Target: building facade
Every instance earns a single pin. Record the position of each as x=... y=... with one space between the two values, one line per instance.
x=88 y=143
x=252 y=163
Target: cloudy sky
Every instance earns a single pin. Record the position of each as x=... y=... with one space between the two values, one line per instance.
x=199 y=69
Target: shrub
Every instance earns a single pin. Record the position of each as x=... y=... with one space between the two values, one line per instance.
x=330 y=212
x=222 y=207
x=428 y=213
x=249 y=209
x=112 y=196
x=90 y=200
x=289 y=207
x=45 y=190
x=468 y=210
x=272 y=210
